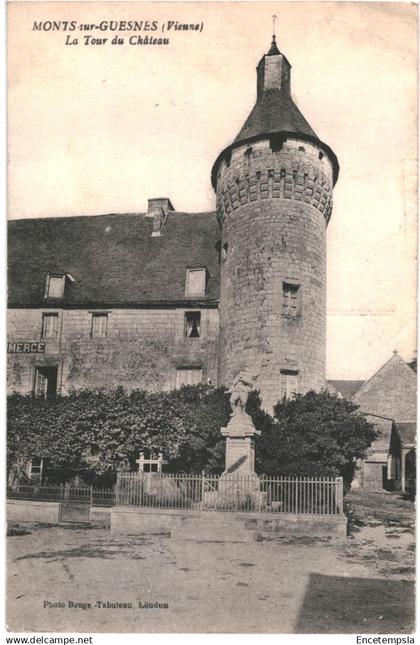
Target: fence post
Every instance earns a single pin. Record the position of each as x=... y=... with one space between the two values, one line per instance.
x=91 y=495
x=117 y=489
x=203 y=487
x=339 y=485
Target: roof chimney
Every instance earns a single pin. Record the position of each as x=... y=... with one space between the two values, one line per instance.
x=158 y=208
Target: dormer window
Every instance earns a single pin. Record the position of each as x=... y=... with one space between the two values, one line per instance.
x=54 y=286
x=195 y=283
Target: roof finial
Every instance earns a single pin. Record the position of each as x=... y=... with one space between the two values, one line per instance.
x=273 y=49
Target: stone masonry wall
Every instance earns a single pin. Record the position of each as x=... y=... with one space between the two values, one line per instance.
x=142 y=349
x=273 y=208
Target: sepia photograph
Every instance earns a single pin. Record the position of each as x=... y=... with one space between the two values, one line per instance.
x=211 y=317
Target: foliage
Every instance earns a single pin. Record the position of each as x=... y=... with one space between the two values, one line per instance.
x=315 y=434
x=93 y=435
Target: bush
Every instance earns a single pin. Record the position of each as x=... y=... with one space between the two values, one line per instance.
x=94 y=435
x=316 y=434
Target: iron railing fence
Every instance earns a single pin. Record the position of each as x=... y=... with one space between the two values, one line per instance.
x=311 y=495
x=63 y=493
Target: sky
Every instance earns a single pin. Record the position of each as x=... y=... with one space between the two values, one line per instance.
x=101 y=128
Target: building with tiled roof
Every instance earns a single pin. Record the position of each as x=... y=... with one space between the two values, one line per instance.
x=388 y=399
x=158 y=299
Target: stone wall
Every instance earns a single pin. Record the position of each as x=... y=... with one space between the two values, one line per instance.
x=273 y=205
x=142 y=348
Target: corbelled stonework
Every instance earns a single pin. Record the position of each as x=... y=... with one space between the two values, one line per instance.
x=256 y=172
x=274 y=200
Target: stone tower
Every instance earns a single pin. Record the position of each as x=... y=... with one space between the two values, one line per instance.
x=274 y=199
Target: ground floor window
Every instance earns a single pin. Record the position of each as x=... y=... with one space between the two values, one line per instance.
x=188 y=376
x=36 y=467
x=288 y=384
x=46 y=381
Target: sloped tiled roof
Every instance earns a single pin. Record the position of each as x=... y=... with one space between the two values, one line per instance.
x=390 y=392
x=112 y=258
x=346 y=388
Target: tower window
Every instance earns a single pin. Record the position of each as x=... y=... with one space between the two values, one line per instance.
x=248 y=152
x=276 y=144
x=49 y=326
x=288 y=384
x=195 y=283
x=99 y=325
x=321 y=155
x=291 y=299
x=192 y=325
x=54 y=286
x=301 y=149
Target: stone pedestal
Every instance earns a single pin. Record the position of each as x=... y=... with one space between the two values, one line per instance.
x=240 y=445
x=239 y=486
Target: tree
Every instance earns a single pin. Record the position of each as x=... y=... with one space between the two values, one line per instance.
x=94 y=435
x=314 y=434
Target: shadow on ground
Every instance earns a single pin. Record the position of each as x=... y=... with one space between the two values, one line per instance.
x=334 y=604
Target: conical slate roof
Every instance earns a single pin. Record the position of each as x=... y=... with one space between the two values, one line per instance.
x=274 y=111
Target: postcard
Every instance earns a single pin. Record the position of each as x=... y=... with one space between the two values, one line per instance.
x=211 y=328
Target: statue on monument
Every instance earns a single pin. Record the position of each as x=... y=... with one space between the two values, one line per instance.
x=243 y=385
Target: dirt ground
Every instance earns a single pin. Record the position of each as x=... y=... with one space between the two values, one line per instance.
x=363 y=586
